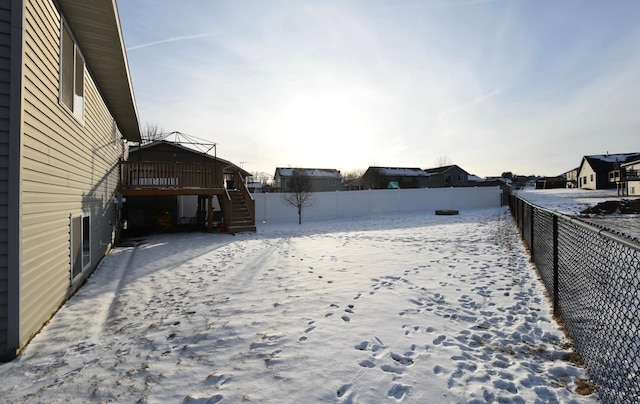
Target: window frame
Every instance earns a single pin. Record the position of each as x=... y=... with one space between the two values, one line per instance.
x=79 y=245
x=71 y=89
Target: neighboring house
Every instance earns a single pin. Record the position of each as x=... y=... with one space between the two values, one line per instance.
x=627 y=178
x=320 y=179
x=593 y=172
x=572 y=178
x=168 y=184
x=67 y=109
x=551 y=182
x=394 y=178
x=448 y=176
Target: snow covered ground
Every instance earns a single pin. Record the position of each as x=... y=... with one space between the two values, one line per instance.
x=415 y=308
x=573 y=201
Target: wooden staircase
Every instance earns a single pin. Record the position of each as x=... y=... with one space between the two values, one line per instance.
x=241 y=218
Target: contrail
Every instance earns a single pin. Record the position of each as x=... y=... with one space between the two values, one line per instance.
x=174 y=39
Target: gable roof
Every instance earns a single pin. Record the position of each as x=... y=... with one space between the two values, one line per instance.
x=399 y=171
x=96 y=28
x=309 y=172
x=605 y=162
x=443 y=169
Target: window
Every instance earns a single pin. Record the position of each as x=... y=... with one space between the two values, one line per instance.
x=71 y=74
x=447 y=178
x=80 y=244
x=591 y=178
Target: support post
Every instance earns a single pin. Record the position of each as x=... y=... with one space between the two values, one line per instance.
x=556 y=298
x=210 y=213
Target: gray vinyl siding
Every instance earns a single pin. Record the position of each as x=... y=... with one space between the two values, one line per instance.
x=5 y=75
x=69 y=167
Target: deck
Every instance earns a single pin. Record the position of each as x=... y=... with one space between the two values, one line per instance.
x=156 y=178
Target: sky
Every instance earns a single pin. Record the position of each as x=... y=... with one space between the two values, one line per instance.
x=490 y=85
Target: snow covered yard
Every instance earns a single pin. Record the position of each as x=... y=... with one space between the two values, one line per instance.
x=415 y=308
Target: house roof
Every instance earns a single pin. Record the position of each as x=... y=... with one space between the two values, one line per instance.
x=133 y=150
x=96 y=28
x=443 y=169
x=309 y=172
x=630 y=162
x=605 y=162
x=400 y=171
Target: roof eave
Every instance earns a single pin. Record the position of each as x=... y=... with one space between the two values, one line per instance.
x=96 y=27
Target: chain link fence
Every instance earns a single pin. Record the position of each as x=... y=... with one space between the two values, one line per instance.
x=592 y=275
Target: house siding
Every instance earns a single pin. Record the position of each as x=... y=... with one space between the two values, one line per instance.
x=633 y=186
x=68 y=167
x=587 y=177
x=5 y=79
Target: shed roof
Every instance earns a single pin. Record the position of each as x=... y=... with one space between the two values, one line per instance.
x=133 y=150
x=96 y=27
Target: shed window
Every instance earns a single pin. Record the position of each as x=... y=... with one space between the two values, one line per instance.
x=71 y=74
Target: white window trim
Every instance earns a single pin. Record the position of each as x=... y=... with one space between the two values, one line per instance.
x=77 y=245
x=76 y=110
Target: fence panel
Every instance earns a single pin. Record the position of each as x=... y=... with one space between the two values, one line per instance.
x=593 y=276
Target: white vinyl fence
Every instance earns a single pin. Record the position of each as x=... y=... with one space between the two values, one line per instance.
x=334 y=205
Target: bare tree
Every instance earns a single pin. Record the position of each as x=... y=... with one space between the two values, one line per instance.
x=353 y=175
x=298 y=193
x=151 y=133
x=443 y=161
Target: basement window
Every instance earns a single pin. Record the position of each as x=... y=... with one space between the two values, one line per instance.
x=80 y=244
x=71 y=74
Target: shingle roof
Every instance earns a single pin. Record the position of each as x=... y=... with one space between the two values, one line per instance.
x=400 y=171
x=309 y=172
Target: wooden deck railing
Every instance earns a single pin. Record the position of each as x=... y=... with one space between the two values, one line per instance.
x=169 y=175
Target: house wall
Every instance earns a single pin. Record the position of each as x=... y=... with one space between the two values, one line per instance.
x=324 y=184
x=587 y=177
x=454 y=176
x=334 y=205
x=633 y=187
x=5 y=80
x=68 y=167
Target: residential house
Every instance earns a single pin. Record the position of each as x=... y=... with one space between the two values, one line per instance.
x=551 y=182
x=572 y=178
x=67 y=112
x=448 y=176
x=169 y=184
x=632 y=175
x=320 y=179
x=626 y=176
x=394 y=177
x=593 y=172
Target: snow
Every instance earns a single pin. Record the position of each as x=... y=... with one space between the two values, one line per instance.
x=415 y=172
x=399 y=308
x=568 y=201
x=573 y=201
